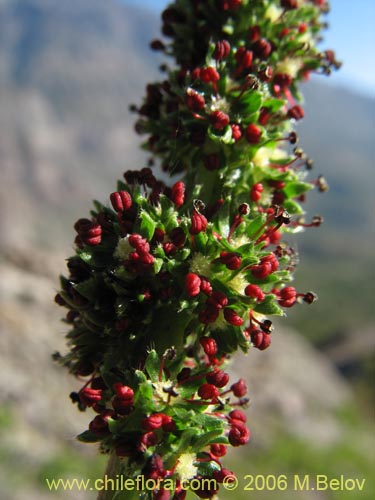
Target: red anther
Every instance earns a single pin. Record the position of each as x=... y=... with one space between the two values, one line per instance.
x=123 y=392
x=192 y=284
x=153 y=422
x=239 y=388
x=236 y=132
x=254 y=33
x=238 y=415
x=219 y=120
x=287 y=296
x=209 y=75
x=232 y=317
x=208 y=315
x=168 y=424
x=158 y=236
x=239 y=436
x=264 y=116
x=261 y=271
x=148 y=439
x=221 y=475
x=99 y=425
x=271 y=259
x=121 y=200
x=260 y=340
x=178 y=194
x=205 y=286
x=229 y=5
x=256 y=192
x=208 y=392
x=218 y=450
x=198 y=223
x=218 y=378
x=217 y=300
x=253 y=134
x=231 y=260
x=244 y=58
x=209 y=346
x=169 y=248
x=122 y=406
x=89 y=396
x=296 y=112
x=289 y=4
x=255 y=292
x=262 y=48
x=147 y=259
x=282 y=81
x=194 y=100
x=222 y=50
x=284 y=32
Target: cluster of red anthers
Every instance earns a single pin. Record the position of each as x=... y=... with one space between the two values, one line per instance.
x=167 y=281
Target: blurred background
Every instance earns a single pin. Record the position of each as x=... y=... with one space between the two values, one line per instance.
x=68 y=72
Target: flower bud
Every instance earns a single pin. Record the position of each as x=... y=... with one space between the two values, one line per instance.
x=198 y=223
x=239 y=388
x=209 y=346
x=219 y=120
x=218 y=378
x=253 y=134
x=255 y=292
x=208 y=391
x=153 y=422
x=121 y=200
x=192 y=284
x=238 y=415
x=217 y=300
x=256 y=192
x=218 y=450
x=222 y=50
x=231 y=260
x=178 y=194
x=232 y=317
x=194 y=100
x=89 y=396
x=239 y=436
x=287 y=296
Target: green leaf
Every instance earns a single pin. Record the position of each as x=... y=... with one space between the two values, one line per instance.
x=225 y=137
x=292 y=207
x=152 y=366
x=274 y=105
x=158 y=264
x=87 y=289
x=144 y=398
x=269 y=306
x=206 y=469
x=293 y=189
x=148 y=225
x=200 y=241
x=249 y=103
x=206 y=438
x=88 y=437
x=255 y=225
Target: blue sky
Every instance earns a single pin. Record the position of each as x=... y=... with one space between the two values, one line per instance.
x=351 y=35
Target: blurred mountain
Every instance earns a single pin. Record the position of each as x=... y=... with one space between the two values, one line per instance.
x=68 y=71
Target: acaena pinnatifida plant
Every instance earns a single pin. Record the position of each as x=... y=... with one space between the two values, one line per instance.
x=169 y=279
